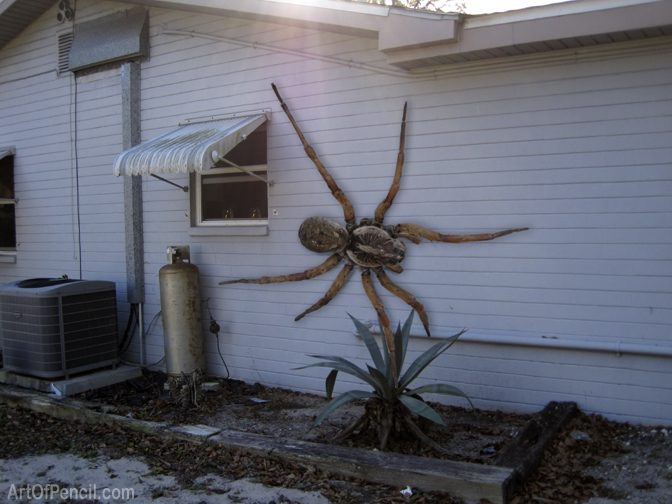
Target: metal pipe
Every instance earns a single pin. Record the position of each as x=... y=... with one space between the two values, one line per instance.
x=300 y=54
x=617 y=347
x=141 y=335
x=184 y=188
x=241 y=168
x=565 y=56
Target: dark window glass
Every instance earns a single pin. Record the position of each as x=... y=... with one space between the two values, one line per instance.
x=7 y=210
x=7 y=227
x=233 y=196
x=249 y=152
x=7 y=177
x=229 y=193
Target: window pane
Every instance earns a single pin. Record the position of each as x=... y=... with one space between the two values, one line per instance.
x=7 y=227
x=249 y=152
x=7 y=177
x=233 y=196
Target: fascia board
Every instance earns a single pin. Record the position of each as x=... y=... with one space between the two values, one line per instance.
x=404 y=32
x=363 y=19
x=593 y=23
x=485 y=32
x=396 y=29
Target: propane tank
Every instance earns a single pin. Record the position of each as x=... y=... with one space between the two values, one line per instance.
x=180 y=293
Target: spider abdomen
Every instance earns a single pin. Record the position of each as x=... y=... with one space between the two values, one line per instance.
x=319 y=234
x=372 y=247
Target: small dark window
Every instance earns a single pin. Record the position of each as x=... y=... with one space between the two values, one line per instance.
x=226 y=195
x=7 y=204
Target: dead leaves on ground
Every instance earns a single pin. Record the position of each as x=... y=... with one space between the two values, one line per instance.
x=558 y=479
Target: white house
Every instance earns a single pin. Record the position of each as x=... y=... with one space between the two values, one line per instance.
x=555 y=118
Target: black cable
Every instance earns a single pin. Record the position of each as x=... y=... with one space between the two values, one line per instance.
x=131 y=315
x=214 y=329
x=228 y=375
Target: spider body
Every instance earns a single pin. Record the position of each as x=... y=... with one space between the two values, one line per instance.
x=371 y=245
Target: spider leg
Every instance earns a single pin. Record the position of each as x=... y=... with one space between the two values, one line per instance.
x=387 y=202
x=384 y=320
x=336 y=191
x=412 y=238
x=327 y=265
x=331 y=293
x=417 y=230
x=405 y=296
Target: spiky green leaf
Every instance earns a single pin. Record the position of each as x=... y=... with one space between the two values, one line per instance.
x=370 y=343
x=440 y=388
x=421 y=408
x=344 y=365
x=330 y=382
x=401 y=338
x=334 y=404
x=386 y=356
x=426 y=358
x=383 y=388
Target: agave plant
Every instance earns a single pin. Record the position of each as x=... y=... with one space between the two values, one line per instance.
x=391 y=405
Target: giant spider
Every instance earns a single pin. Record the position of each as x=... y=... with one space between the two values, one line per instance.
x=370 y=245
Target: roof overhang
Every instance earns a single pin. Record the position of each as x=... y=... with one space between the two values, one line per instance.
x=193 y=147
x=420 y=39
x=557 y=27
x=17 y=15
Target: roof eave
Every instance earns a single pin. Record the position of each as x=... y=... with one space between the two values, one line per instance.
x=17 y=15
x=543 y=29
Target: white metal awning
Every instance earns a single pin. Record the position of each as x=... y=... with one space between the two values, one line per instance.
x=6 y=151
x=193 y=147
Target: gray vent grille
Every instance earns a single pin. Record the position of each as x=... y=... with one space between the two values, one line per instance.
x=64 y=45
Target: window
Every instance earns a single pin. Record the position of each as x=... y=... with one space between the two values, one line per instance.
x=7 y=204
x=225 y=195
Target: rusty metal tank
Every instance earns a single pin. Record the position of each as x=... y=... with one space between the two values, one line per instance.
x=181 y=313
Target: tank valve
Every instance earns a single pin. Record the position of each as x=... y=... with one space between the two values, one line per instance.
x=178 y=253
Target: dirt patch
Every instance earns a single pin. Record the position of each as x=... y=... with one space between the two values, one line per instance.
x=468 y=436
x=591 y=459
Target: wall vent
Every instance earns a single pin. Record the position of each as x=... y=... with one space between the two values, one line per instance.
x=64 y=45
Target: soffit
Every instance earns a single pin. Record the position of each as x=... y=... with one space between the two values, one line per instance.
x=543 y=30
x=17 y=15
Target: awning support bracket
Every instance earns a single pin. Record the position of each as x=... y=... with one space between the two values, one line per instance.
x=184 y=188
x=243 y=169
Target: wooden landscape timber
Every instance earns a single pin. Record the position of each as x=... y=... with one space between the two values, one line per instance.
x=469 y=481
x=524 y=452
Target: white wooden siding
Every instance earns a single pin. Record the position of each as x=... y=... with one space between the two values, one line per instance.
x=39 y=111
x=578 y=152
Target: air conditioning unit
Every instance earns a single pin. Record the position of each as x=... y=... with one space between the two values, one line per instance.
x=55 y=327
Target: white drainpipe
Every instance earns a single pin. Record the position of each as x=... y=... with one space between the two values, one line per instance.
x=616 y=347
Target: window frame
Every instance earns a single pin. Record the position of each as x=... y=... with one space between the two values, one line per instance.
x=235 y=226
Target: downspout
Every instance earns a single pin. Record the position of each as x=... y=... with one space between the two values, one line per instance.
x=130 y=126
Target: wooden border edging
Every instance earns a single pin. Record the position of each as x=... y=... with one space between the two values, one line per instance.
x=525 y=451
x=459 y=479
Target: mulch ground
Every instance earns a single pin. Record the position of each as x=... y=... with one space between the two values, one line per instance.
x=23 y=432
